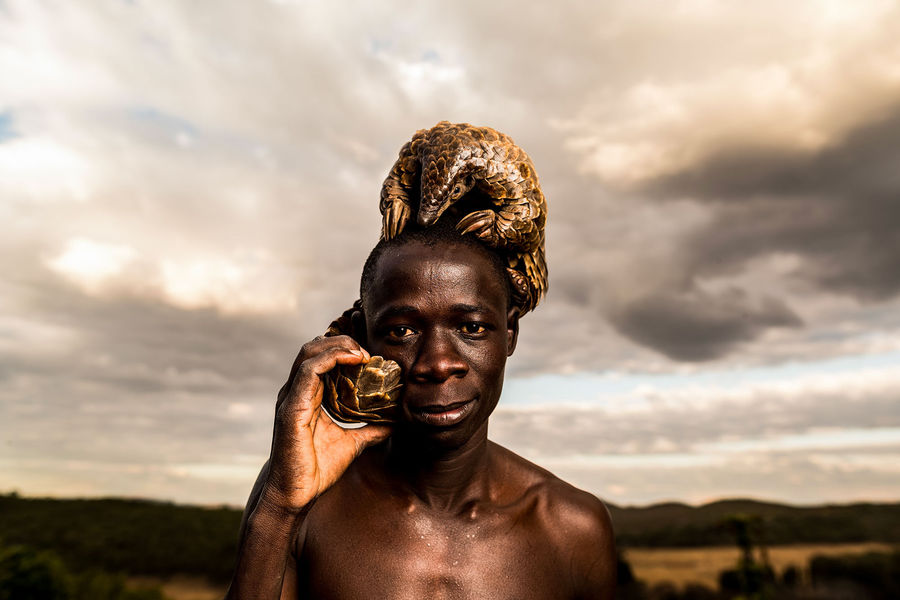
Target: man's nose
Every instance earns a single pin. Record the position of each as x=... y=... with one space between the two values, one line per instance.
x=438 y=359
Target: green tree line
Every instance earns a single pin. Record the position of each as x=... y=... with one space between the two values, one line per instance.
x=128 y=536
x=678 y=525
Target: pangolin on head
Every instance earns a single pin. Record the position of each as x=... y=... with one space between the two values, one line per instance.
x=441 y=165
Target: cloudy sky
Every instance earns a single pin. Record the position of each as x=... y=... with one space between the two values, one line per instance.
x=189 y=189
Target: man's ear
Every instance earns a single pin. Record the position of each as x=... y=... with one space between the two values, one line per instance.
x=358 y=326
x=512 y=329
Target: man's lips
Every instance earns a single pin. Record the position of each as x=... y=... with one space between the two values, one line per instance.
x=440 y=414
x=439 y=408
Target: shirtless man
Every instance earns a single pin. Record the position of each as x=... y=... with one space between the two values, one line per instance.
x=428 y=508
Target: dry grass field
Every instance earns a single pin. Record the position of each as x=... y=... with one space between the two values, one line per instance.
x=702 y=565
x=182 y=587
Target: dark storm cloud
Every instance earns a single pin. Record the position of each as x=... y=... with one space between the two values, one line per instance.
x=838 y=209
x=696 y=325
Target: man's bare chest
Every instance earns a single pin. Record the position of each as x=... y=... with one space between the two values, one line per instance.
x=419 y=556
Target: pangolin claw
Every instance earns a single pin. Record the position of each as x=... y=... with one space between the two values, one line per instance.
x=481 y=224
x=395 y=219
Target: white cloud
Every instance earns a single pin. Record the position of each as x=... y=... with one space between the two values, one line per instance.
x=251 y=282
x=241 y=282
x=43 y=170
x=91 y=264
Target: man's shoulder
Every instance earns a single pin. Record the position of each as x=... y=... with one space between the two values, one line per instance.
x=565 y=508
x=573 y=524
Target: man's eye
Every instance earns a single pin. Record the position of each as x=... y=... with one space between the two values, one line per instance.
x=473 y=328
x=399 y=332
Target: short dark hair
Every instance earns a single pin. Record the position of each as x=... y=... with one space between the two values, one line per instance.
x=441 y=232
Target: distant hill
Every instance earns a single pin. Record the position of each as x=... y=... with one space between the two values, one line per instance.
x=143 y=537
x=139 y=537
x=679 y=525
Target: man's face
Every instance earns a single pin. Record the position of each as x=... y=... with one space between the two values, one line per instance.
x=442 y=314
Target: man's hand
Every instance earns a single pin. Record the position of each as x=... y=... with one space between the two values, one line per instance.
x=309 y=451
x=309 y=454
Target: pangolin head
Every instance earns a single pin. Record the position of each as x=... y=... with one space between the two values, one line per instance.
x=442 y=186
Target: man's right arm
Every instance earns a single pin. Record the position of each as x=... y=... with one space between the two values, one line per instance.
x=263 y=535
x=309 y=454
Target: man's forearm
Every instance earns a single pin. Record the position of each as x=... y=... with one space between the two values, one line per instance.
x=263 y=552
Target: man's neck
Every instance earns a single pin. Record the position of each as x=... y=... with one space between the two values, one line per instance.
x=446 y=479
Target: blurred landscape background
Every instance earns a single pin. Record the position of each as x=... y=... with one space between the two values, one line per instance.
x=136 y=549
x=189 y=191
